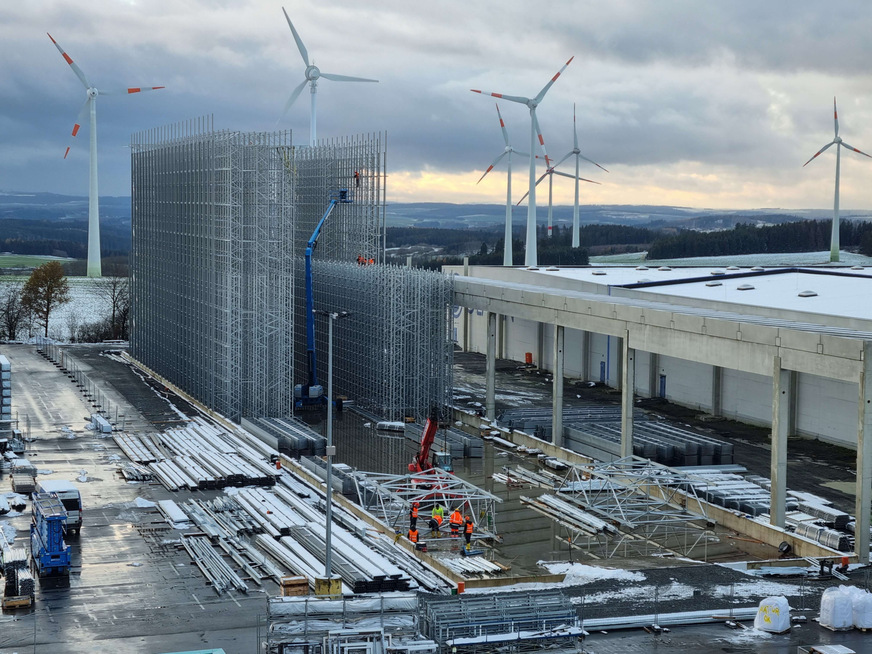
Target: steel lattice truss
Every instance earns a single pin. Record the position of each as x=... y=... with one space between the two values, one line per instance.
x=632 y=506
x=391 y=497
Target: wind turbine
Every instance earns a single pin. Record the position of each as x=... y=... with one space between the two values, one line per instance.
x=837 y=141
x=90 y=106
x=312 y=75
x=507 y=239
x=550 y=172
x=530 y=253
x=575 y=151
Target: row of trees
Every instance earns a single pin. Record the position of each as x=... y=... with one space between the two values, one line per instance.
x=33 y=304
x=801 y=236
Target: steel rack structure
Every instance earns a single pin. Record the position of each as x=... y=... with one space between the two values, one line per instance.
x=220 y=223
x=391 y=496
x=517 y=621
x=631 y=506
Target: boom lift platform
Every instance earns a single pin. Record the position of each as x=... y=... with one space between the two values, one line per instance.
x=51 y=555
x=427 y=457
x=312 y=393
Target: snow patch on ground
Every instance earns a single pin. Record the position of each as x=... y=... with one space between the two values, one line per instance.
x=578 y=573
x=142 y=503
x=8 y=532
x=742 y=590
x=675 y=591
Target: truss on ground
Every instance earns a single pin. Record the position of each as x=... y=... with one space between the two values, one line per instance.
x=391 y=496
x=631 y=506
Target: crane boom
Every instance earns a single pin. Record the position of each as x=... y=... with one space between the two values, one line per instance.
x=422 y=462
x=310 y=391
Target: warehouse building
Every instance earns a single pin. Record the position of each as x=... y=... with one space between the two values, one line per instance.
x=781 y=347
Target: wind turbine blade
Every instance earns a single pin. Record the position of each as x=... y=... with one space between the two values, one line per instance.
x=541 y=139
x=69 y=60
x=300 y=46
x=564 y=159
x=835 y=116
x=345 y=78
x=503 y=126
x=574 y=130
x=491 y=167
x=543 y=176
x=518 y=152
x=582 y=179
x=80 y=120
x=818 y=153
x=593 y=162
x=510 y=98
x=851 y=147
x=131 y=89
x=544 y=90
x=294 y=95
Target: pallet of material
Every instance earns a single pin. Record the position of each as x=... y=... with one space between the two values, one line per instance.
x=294 y=586
x=16 y=602
x=24 y=484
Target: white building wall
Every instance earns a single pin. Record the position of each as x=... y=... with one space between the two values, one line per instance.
x=827 y=408
x=747 y=397
x=687 y=382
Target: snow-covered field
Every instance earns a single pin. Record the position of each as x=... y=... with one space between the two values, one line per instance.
x=85 y=306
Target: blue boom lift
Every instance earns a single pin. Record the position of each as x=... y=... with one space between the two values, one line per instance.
x=50 y=554
x=312 y=393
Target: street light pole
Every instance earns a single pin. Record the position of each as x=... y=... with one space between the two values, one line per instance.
x=331 y=450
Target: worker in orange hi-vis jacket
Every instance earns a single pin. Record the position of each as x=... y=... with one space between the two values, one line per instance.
x=467 y=531
x=455 y=520
x=413 y=516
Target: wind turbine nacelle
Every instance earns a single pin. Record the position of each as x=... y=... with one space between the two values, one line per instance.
x=312 y=73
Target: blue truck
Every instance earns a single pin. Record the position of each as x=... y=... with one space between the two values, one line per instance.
x=51 y=555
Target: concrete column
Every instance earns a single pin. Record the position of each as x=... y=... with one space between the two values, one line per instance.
x=491 y=368
x=864 y=458
x=653 y=374
x=465 y=342
x=585 y=355
x=557 y=389
x=620 y=344
x=717 y=390
x=540 y=345
x=628 y=376
x=780 y=421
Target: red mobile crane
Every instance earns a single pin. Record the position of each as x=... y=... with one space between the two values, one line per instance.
x=422 y=460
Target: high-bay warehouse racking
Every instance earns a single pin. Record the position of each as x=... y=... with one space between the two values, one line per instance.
x=220 y=223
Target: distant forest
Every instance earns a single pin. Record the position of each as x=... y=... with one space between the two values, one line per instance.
x=801 y=236
x=68 y=238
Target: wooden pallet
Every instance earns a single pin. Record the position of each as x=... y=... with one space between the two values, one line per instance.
x=294 y=586
x=16 y=602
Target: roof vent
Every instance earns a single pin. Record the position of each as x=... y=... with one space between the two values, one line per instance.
x=717 y=272
x=852 y=268
x=757 y=268
x=807 y=294
x=644 y=280
x=598 y=272
x=532 y=268
x=732 y=267
x=745 y=287
x=641 y=267
x=714 y=283
x=664 y=268
x=552 y=268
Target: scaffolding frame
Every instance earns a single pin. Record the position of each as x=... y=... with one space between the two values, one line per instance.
x=220 y=223
x=391 y=496
x=652 y=508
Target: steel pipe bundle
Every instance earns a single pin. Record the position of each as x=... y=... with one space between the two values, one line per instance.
x=220 y=575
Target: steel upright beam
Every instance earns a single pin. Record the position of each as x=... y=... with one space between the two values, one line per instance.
x=780 y=423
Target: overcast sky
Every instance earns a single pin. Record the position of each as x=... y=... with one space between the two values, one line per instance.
x=705 y=104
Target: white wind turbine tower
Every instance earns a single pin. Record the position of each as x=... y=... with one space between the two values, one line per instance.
x=312 y=75
x=839 y=143
x=549 y=173
x=530 y=257
x=575 y=151
x=509 y=150
x=90 y=106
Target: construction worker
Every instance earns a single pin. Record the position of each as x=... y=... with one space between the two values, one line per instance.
x=455 y=520
x=413 y=516
x=434 y=528
x=467 y=531
x=437 y=515
x=357 y=179
x=371 y=261
x=413 y=535
x=360 y=260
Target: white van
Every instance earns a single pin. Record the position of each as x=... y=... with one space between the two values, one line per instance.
x=69 y=496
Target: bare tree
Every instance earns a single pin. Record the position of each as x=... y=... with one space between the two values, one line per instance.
x=12 y=312
x=115 y=289
x=46 y=289
x=73 y=325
